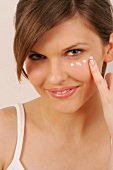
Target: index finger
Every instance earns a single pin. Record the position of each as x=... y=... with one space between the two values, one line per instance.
x=99 y=80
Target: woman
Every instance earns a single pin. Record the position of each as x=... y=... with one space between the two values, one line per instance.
x=62 y=47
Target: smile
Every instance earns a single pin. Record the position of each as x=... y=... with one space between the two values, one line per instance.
x=63 y=92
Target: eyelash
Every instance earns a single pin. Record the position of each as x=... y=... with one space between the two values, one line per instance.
x=74 y=52
x=36 y=57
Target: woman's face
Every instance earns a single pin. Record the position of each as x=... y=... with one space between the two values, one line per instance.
x=57 y=65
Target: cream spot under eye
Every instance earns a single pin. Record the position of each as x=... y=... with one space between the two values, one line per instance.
x=91 y=57
x=78 y=64
x=84 y=61
x=72 y=64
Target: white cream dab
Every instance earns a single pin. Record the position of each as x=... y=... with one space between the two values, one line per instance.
x=91 y=57
x=72 y=64
x=84 y=61
x=78 y=64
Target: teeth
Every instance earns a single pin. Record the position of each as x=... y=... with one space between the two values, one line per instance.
x=63 y=92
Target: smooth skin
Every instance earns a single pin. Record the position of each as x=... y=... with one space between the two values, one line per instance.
x=67 y=134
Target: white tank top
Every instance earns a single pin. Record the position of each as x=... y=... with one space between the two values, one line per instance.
x=16 y=164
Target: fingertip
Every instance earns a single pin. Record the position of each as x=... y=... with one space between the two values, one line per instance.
x=92 y=62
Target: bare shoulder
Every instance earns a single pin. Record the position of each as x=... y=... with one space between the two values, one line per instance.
x=8 y=132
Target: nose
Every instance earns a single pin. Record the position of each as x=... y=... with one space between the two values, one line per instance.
x=56 y=73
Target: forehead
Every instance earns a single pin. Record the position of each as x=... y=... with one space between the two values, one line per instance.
x=71 y=31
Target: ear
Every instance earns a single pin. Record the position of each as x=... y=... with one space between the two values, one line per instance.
x=109 y=50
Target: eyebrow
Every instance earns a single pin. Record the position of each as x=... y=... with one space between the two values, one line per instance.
x=34 y=52
x=75 y=45
x=67 y=48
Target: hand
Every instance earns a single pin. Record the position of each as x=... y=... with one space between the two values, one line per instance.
x=106 y=93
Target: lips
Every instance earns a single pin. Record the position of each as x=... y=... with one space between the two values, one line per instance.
x=64 y=92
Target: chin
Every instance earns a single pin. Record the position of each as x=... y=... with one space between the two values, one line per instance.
x=72 y=106
x=66 y=107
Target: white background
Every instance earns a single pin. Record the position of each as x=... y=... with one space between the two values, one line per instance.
x=11 y=91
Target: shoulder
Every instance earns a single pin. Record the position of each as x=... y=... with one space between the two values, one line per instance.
x=7 y=113
x=7 y=118
x=8 y=132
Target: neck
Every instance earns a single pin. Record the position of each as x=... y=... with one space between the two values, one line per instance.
x=73 y=124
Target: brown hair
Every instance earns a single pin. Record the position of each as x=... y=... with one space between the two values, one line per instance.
x=35 y=17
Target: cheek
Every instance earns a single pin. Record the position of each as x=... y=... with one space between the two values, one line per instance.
x=79 y=70
x=35 y=74
x=99 y=63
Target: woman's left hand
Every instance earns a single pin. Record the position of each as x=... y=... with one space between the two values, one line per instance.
x=106 y=93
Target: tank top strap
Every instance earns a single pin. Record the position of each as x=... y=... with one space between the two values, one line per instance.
x=20 y=131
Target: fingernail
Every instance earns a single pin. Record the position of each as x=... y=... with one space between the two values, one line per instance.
x=92 y=62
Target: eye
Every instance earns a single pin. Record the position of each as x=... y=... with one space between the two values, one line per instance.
x=37 y=57
x=74 y=52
